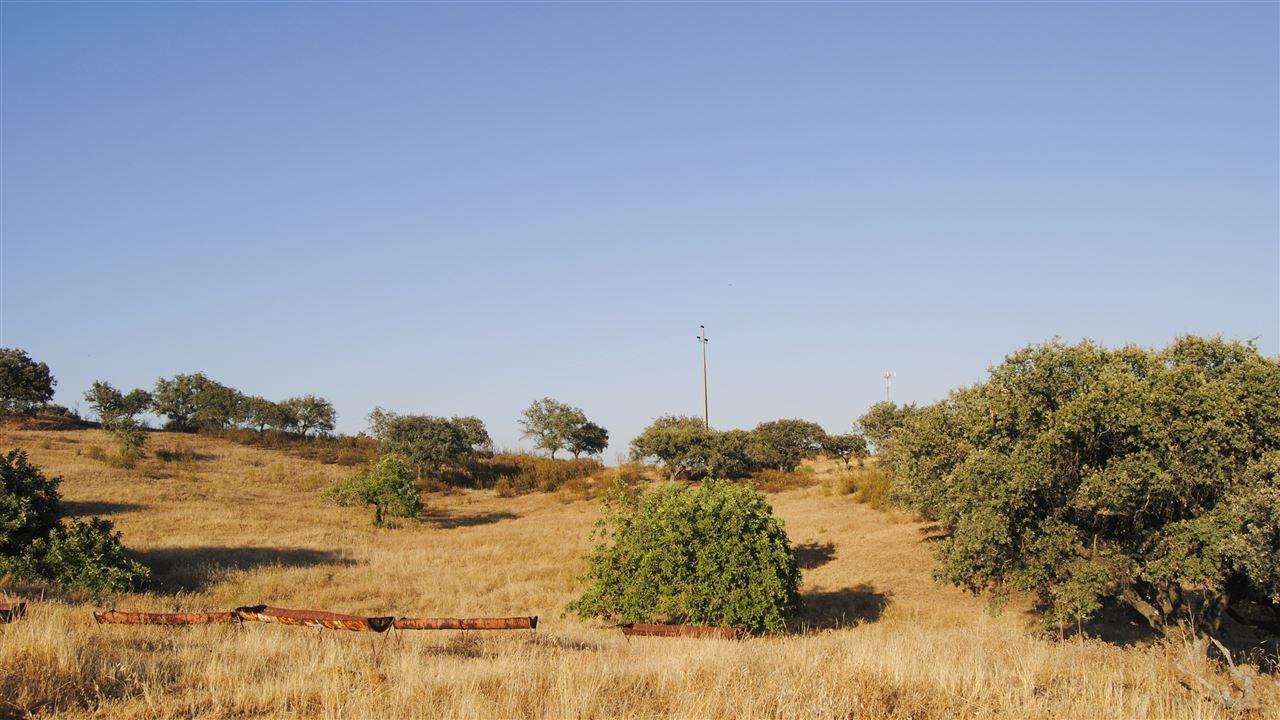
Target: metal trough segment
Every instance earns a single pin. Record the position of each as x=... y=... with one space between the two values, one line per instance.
x=506 y=623
x=121 y=617
x=314 y=618
x=12 y=611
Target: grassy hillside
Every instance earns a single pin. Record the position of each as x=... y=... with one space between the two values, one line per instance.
x=226 y=525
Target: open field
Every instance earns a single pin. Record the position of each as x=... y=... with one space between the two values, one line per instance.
x=231 y=525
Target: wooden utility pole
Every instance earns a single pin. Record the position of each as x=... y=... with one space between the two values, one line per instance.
x=702 y=340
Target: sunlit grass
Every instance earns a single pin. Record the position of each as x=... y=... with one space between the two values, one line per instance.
x=227 y=524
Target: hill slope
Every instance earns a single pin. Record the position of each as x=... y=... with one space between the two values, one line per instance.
x=229 y=525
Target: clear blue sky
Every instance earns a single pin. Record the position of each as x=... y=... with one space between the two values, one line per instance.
x=456 y=209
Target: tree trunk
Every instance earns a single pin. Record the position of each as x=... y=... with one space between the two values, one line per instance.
x=377 y=515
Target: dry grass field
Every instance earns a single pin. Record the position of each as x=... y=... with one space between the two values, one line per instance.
x=231 y=525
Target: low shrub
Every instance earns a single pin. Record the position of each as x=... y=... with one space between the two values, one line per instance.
x=780 y=480
x=868 y=485
x=713 y=554
x=347 y=450
x=36 y=545
x=85 y=554
x=517 y=473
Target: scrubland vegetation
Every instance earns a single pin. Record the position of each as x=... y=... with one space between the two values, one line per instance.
x=1088 y=532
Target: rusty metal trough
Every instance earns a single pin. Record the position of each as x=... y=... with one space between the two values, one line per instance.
x=506 y=623
x=122 y=617
x=689 y=631
x=12 y=611
x=314 y=618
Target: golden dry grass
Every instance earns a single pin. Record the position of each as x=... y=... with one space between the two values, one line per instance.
x=239 y=525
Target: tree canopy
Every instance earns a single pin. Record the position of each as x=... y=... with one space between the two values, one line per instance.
x=25 y=385
x=681 y=443
x=782 y=444
x=845 y=448
x=112 y=405
x=555 y=426
x=427 y=442
x=1086 y=474
x=310 y=412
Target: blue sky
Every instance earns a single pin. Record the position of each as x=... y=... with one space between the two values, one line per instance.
x=456 y=209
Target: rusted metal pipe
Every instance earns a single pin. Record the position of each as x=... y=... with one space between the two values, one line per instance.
x=121 y=617
x=506 y=623
x=314 y=618
x=12 y=611
x=689 y=631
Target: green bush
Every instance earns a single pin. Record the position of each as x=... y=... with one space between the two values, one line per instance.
x=28 y=503
x=387 y=487
x=84 y=554
x=131 y=436
x=35 y=545
x=1087 y=474
x=712 y=554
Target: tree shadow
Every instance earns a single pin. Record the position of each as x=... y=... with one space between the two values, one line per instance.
x=1118 y=624
x=181 y=455
x=847 y=607
x=450 y=522
x=185 y=569
x=934 y=532
x=1115 y=624
x=71 y=508
x=812 y=555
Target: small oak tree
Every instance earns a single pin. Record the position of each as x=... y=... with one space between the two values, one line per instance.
x=550 y=423
x=587 y=438
x=682 y=444
x=309 y=412
x=25 y=384
x=387 y=487
x=845 y=448
x=782 y=444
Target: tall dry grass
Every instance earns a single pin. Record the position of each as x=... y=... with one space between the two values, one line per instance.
x=226 y=525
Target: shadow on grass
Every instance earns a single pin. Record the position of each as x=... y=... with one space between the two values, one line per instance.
x=181 y=455
x=1118 y=624
x=812 y=555
x=450 y=521
x=933 y=532
x=847 y=607
x=72 y=508
x=185 y=569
